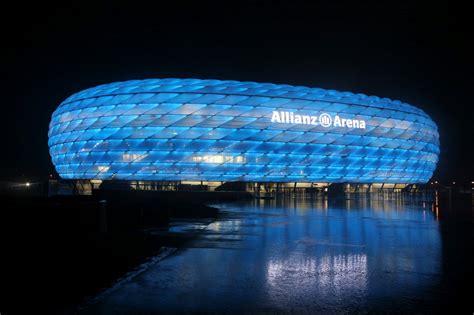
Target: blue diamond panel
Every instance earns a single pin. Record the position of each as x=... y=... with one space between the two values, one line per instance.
x=211 y=130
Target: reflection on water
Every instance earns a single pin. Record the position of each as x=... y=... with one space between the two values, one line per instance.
x=298 y=255
x=326 y=274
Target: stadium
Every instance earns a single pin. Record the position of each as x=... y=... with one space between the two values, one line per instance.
x=211 y=132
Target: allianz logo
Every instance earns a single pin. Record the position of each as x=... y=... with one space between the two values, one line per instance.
x=323 y=119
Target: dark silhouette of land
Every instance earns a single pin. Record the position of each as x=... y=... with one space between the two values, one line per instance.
x=56 y=251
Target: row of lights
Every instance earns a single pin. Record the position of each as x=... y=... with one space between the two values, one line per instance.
x=28 y=184
x=454 y=183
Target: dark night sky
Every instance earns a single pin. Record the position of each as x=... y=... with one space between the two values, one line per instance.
x=416 y=52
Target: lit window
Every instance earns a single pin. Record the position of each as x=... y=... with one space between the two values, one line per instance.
x=103 y=168
x=219 y=159
x=133 y=157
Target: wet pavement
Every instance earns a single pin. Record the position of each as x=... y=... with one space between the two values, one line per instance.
x=386 y=253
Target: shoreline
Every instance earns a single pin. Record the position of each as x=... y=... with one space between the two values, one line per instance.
x=79 y=245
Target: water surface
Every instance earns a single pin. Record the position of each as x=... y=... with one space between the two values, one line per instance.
x=381 y=252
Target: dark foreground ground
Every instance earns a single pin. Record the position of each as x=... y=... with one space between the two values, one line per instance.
x=56 y=252
x=386 y=254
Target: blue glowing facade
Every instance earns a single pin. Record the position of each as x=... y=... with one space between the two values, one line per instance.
x=211 y=130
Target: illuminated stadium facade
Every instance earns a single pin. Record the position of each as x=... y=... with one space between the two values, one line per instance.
x=223 y=131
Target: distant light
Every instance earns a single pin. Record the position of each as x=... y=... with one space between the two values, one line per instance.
x=454 y=183
x=436 y=182
x=472 y=182
x=27 y=184
x=50 y=175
